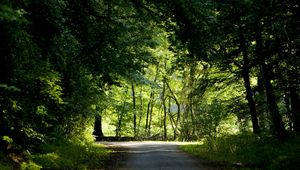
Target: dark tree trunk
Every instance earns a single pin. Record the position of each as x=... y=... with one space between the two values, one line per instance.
x=141 y=109
x=147 y=127
x=134 y=111
x=178 y=106
x=150 y=107
x=279 y=129
x=120 y=119
x=245 y=74
x=151 y=117
x=165 y=113
x=98 y=127
x=278 y=125
x=171 y=118
x=163 y=98
x=251 y=103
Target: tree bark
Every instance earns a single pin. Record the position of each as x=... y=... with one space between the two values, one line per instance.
x=178 y=106
x=251 y=102
x=148 y=113
x=98 y=127
x=151 y=117
x=120 y=119
x=141 y=113
x=134 y=110
x=245 y=74
x=278 y=125
x=150 y=106
x=163 y=98
x=171 y=117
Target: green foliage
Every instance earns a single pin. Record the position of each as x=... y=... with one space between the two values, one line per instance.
x=57 y=61
x=30 y=166
x=250 y=151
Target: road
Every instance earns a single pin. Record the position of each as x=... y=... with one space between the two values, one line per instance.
x=154 y=156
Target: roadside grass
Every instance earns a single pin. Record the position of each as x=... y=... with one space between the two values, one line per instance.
x=67 y=156
x=248 y=151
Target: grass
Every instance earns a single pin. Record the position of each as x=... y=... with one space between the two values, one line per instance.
x=250 y=151
x=68 y=155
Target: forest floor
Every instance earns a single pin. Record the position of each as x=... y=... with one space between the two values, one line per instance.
x=154 y=155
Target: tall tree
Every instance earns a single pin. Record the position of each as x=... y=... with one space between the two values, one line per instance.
x=134 y=110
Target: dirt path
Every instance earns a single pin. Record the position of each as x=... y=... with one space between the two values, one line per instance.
x=153 y=156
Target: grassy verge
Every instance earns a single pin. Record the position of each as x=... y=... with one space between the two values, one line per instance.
x=71 y=156
x=62 y=155
x=249 y=151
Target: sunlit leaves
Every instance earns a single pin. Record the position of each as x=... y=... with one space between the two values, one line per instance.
x=51 y=86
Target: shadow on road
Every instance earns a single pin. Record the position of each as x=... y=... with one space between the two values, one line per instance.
x=153 y=156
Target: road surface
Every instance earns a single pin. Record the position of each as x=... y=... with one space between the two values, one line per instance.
x=153 y=156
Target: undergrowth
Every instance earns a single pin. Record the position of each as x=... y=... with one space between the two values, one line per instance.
x=68 y=155
x=61 y=155
x=250 y=151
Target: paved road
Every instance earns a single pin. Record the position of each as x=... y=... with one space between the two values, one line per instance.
x=154 y=156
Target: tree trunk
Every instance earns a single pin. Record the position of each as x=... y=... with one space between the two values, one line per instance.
x=119 y=125
x=148 y=113
x=141 y=111
x=251 y=103
x=134 y=110
x=165 y=110
x=171 y=117
x=178 y=106
x=150 y=106
x=98 y=127
x=190 y=105
x=279 y=129
x=151 y=117
x=245 y=74
x=120 y=119
x=278 y=126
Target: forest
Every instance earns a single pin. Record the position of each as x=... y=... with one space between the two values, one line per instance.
x=223 y=72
